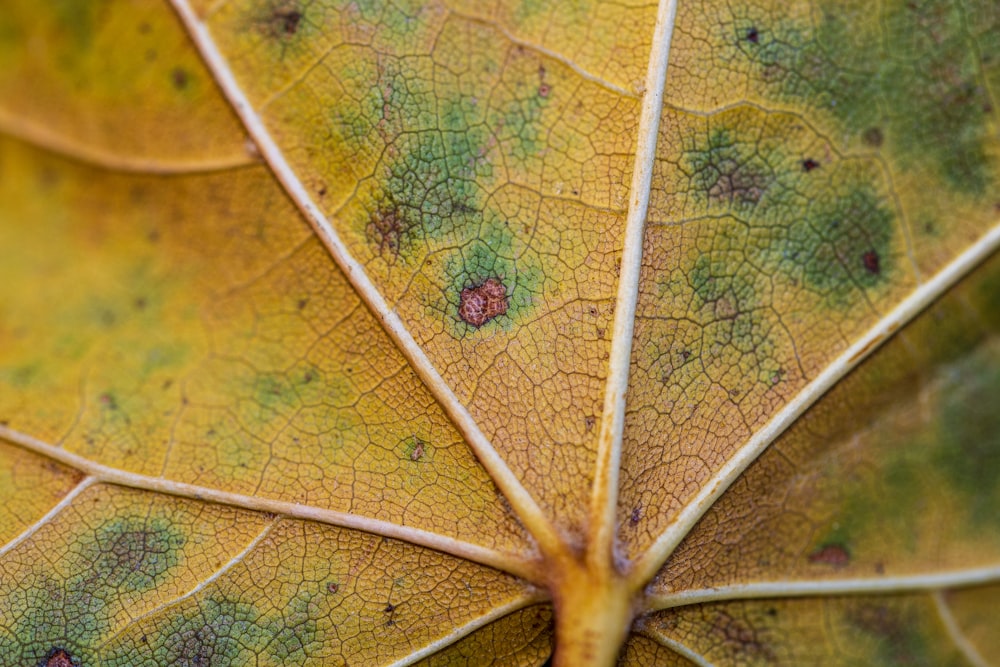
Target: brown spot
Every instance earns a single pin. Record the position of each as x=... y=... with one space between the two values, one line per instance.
x=544 y=90
x=140 y=303
x=332 y=587
x=870 y=260
x=589 y=422
x=752 y=35
x=835 y=555
x=301 y=303
x=809 y=164
x=872 y=137
x=58 y=657
x=389 y=608
x=179 y=77
x=287 y=21
x=418 y=451
x=479 y=305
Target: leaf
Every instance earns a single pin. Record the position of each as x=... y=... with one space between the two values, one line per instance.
x=438 y=333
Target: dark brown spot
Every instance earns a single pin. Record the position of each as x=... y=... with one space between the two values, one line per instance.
x=589 y=422
x=301 y=303
x=478 y=305
x=140 y=303
x=872 y=137
x=752 y=35
x=287 y=21
x=58 y=657
x=636 y=515
x=809 y=164
x=835 y=555
x=389 y=608
x=870 y=261
x=179 y=77
x=332 y=587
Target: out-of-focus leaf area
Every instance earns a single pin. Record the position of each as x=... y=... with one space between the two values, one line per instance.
x=308 y=311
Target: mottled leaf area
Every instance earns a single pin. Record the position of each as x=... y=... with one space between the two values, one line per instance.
x=215 y=450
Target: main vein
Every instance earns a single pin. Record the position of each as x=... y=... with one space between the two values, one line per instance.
x=524 y=505
x=827 y=587
x=604 y=500
x=97 y=472
x=647 y=565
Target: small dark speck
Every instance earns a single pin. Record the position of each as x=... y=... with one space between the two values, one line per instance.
x=809 y=164
x=753 y=36
x=636 y=516
x=179 y=77
x=389 y=608
x=871 y=261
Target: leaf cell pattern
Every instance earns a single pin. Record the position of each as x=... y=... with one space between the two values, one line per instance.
x=459 y=333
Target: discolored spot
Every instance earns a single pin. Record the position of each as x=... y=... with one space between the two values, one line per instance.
x=389 y=608
x=179 y=77
x=809 y=164
x=872 y=137
x=752 y=35
x=728 y=171
x=871 y=262
x=332 y=587
x=57 y=657
x=385 y=230
x=544 y=90
x=740 y=638
x=835 y=555
x=478 y=305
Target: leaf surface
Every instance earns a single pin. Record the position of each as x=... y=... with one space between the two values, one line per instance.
x=450 y=332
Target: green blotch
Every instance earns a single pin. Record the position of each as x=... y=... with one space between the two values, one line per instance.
x=131 y=554
x=967 y=443
x=725 y=171
x=223 y=632
x=518 y=124
x=491 y=255
x=900 y=633
x=106 y=567
x=917 y=85
x=77 y=19
x=841 y=244
x=730 y=308
x=433 y=188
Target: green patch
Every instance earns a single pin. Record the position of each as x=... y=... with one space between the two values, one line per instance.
x=895 y=632
x=843 y=243
x=105 y=568
x=966 y=444
x=222 y=632
x=729 y=173
x=129 y=553
x=916 y=87
x=518 y=123
x=432 y=188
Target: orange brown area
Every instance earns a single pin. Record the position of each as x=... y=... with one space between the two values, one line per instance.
x=481 y=304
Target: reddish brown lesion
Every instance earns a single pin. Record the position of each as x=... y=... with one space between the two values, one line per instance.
x=835 y=555
x=59 y=658
x=480 y=304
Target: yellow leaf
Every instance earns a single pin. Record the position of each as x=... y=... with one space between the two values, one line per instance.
x=353 y=332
